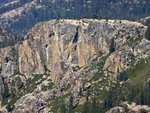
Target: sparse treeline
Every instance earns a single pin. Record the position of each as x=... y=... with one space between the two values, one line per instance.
x=133 y=89
x=75 y=9
x=113 y=98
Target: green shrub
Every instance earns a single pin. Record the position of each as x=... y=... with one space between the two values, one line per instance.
x=71 y=104
x=50 y=86
x=6 y=92
x=122 y=76
x=68 y=87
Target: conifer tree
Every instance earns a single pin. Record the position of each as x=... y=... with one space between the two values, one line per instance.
x=71 y=104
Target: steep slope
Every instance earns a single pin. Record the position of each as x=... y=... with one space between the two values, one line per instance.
x=76 y=65
x=22 y=15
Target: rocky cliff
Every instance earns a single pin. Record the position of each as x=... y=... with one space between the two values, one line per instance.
x=60 y=58
x=75 y=43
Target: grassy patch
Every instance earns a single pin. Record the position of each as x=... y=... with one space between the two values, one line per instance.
x=68 y=87
x=100 y=72
x=56 y=104
x=131 y=41
x=141 y=72
x=50 y=86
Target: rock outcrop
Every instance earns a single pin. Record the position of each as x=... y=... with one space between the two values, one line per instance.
x=116 y=110
x=62 y=57
x=75 y=43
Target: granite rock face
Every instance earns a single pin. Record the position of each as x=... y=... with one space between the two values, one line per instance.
x=8 y=61
x=69 y=41
x=8 y=53
x=75 y=43
x=66 y=53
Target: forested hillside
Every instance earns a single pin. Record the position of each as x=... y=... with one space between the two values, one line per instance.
x=21 y=15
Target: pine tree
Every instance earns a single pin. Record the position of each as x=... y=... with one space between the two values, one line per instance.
x=122 y=76
x=142 y=98
x=94 y=106
x=71 y=104
x=63 y=108
x=85 y=108
x=147 y=33
x=6 y=92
